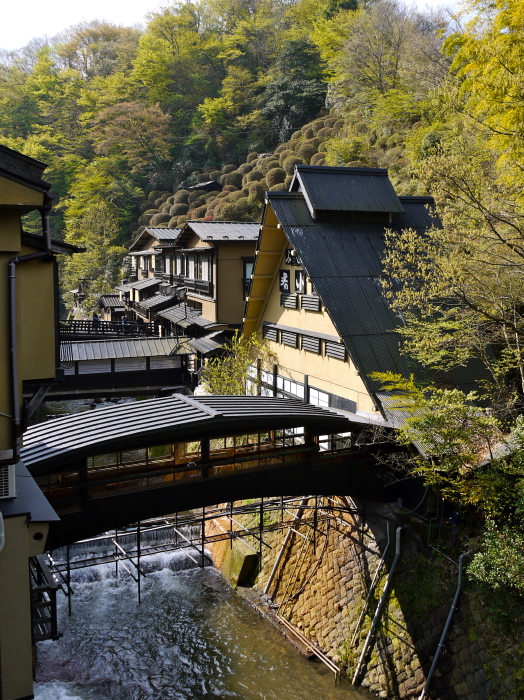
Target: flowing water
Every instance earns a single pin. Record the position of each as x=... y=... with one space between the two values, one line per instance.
x=191 y=638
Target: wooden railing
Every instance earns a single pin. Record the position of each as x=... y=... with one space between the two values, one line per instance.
x=70 y=328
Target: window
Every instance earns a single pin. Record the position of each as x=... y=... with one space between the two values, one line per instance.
x=168 y=264
x=336 y=350
x=290 y=339
x=248 y=271
x=179 y=264
x=290 y=387
x=270 y=333
x=318 y=398
x=205 y=268
x=191 y=266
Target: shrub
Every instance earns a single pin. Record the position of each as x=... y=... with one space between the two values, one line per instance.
x=285 y=154
x=317 y=124
x=251 y=156
x=199 y=213
x=173 y=222
x=279 y=187
x=159 y=219
x=256 y=191
x=228 y=168
x=318 y=159
x=245 y=168
x=143 y=220
x=275 y=176
x=158 y=202
x=269 y=164
x=296 y=135
x=194 y=195
x=306 y=151
x=233 y=178
x=181 y=196
x=308 y=133
x=290 y=162
x=181 y=220
x=145 y=206
x=280 y=148
x=179 y=209
x=204 y=177
x=325 y=133
x=235 y=196
x=287 y=182
x=215 y=174
x=254 y=176
x=154 y=194
x=292 y=145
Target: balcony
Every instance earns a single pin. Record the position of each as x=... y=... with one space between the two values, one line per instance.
x=204 y=287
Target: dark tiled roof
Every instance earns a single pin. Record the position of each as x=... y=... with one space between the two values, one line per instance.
x=328 y=189
x=343 y=260
x=124 y=347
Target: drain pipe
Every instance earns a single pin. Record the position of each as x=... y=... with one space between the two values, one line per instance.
x=378 y=611
x=16 y=417
x=446 y=628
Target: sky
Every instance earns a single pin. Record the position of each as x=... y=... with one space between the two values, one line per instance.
x=23 y=20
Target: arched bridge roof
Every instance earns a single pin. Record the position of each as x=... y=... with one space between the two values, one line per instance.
x=49 y=446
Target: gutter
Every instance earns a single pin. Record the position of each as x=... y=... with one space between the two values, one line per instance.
x=46 y=254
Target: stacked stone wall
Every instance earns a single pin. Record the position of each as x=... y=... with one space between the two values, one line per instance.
x=321 y=587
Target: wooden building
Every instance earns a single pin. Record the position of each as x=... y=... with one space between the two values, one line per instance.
x=316 y=294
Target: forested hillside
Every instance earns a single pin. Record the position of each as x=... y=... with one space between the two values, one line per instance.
x=231 y=90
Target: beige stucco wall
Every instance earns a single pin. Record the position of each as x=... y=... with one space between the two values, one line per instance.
x=15 y=609
x=229 y=291
x=324 y=373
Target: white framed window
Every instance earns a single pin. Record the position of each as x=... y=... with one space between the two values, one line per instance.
x=318 y=398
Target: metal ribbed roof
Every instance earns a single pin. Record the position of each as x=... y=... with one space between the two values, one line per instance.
x=207 y=343
x=157 y=301
x=163 y=234
x=343 y=259
x=328 y=189
x=111 y=301
x=64 y=441
x=224 y=230
x=122 y=347
x=144 y=284
x=185 y=316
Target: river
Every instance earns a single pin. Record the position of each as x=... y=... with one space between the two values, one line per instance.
x=191 y=638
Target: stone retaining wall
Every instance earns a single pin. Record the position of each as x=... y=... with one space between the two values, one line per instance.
x=320 y=587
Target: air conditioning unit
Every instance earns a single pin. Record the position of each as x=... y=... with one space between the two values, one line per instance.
x=7 y=481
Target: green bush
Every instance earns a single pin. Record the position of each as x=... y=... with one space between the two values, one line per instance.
x=318 y=159
x=306 y=151
x=325 y=133
x=173 y=222
x=290 y=162
x=159 y=219
x=154 y=194
x=275 y=176
x=203 y=178
x=215 y=174
x=254 y=176
x=293 y=144
x=280 y=148
x=256 y=192
x=287 y=182
x=181 y=196
x=194 y=195
x=179 y=209
x=285 y=154
x=296 y=135
x=233 y=178
x=245 y=168
x=251 y=156
x=181 y=220
x=308 y=133
x=228 y=168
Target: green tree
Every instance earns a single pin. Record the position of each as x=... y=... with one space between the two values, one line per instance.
x=229 y=373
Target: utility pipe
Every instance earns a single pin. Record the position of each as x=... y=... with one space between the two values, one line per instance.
x=446 y=628
x=284 y=545
x=16 y=418
x=371 y=588
x=378 y=611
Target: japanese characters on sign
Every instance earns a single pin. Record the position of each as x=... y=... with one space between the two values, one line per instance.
x=300 y=281
x=285 y=282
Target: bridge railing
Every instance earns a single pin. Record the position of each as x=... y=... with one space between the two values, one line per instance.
x=138 y=470
x=72 y=327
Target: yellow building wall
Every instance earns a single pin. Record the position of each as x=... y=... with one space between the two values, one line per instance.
x=325 y=373
x=15 y=611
